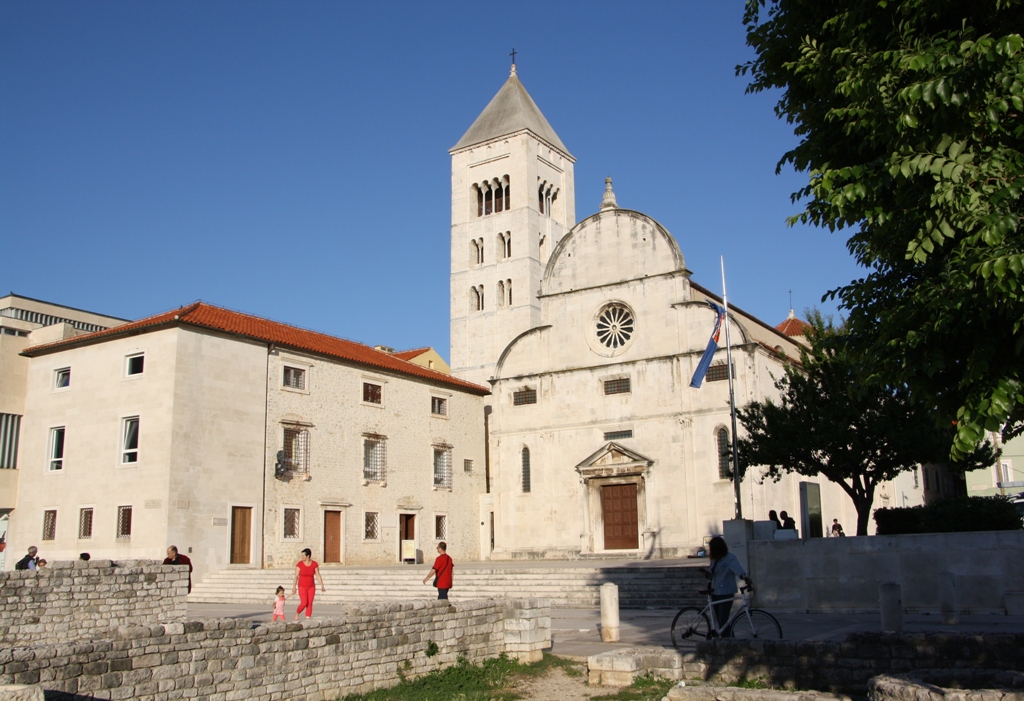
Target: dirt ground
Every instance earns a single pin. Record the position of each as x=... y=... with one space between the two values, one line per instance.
x=556 y=685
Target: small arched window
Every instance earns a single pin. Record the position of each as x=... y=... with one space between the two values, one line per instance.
x=489 y=201
x=508 y=244
x=508 y=293
x=526 y=470
x=474 y=299
x=724 y=464
x=501 y=292
x=474 y=252
x=480 y=251
x=480 y=292
x=479 y=201
x=540 y=199
x=508 y=195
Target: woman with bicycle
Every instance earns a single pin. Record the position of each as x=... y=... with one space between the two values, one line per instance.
x=725 y=568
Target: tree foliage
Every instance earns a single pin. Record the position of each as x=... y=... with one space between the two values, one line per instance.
x=909 y=115
x=832 y=420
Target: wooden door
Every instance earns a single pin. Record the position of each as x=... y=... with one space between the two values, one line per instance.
x=618 y=503
x=332 y=536
x=241 y=534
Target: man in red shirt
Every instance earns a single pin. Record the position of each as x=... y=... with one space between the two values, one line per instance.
x=173 y=558
x=441 y=571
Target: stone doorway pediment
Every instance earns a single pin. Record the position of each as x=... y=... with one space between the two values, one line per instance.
x=614 y=460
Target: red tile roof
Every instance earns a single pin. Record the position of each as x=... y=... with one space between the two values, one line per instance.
x=410 y=354
x=208 y=316
x=793 y=327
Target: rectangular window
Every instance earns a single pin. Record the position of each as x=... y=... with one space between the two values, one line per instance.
x=371 y=525
x=372 y=393
x=718 y=372
x=62 y=378
x=442 y=467
x=619 y=386
x=135 y=364
x=375 y=464
x=440 y=527
x=10 y=430
x=130 y=440
x=124 y=522
x=617 y=435
x=291 y=523
x=439 y=406
x=296 y=449
x=57 y=448
x=84 y=524
x=294 y=378
x=524 y=396
x=50 y=524
x=467 y=465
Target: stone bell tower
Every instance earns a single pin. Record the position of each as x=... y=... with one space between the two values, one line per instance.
x=513 y=199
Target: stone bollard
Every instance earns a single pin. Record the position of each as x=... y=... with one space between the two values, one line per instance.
x=948 y=605
x=609 y=613
x=890 y=600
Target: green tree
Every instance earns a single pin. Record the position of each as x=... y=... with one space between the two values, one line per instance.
x=831 y=420
x=909 y=119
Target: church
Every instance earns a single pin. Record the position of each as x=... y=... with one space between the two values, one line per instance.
x=588 y=333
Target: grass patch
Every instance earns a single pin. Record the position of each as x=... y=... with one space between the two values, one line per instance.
x=492 y=680
x=645 y=688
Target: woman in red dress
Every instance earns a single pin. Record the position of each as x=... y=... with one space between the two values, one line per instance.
x=305 y=570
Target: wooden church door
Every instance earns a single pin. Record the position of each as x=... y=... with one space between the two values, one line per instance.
x=618 y=504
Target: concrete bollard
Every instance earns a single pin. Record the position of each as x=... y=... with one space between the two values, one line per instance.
x=609 y=613
x=948 y=605
x=890 y=600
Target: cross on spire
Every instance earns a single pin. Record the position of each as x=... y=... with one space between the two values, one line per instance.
x=513 y=55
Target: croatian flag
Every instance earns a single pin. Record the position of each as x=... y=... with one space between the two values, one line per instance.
x=709 y=352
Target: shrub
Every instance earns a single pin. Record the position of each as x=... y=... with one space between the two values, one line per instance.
x=950 y=516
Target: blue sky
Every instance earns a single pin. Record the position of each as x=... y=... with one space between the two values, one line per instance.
x=290 y=160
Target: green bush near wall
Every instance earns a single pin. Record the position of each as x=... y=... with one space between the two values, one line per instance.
x=950 y=516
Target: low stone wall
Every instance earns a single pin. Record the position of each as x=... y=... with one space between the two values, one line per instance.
x=83 y=600
x=364 y=649
x=949 y=685
x=848 y=665
x=844 y=574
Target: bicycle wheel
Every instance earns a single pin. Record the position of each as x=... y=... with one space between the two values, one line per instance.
x=760 y=626
x=690 y=624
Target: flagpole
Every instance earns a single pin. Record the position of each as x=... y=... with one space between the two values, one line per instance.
x=732 y=399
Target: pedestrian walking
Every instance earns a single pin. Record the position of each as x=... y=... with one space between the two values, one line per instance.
x=279 y=605
x=306 y=570
x=29 y=561
x=725 y=568
x=441 y=571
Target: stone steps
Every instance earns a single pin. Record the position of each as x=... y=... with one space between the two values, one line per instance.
x=575 y=587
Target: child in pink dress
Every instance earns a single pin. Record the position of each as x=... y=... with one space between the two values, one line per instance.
x=279 y=605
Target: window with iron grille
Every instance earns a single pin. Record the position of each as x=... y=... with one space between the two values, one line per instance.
x=724 y=467
x=439 y=406
x=84 y=524
x=619 y=386
x=294 y=377
x=375 y=463
x=372 y=393
x=526 y=470
x=296 y=448
x=467 y=465
x=617 y=435
x=57 y=448
x=371 y=525
x=62 y=378
x=130 y=439
x=524 y=396
x=440 y=526
x=50 y=524
x=291 y=523
x=718 y=372
x=442 y=467
x=124 y=522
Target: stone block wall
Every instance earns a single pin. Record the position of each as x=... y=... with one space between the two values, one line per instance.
x=364 y=649
x=77 y=600
x=848 y=665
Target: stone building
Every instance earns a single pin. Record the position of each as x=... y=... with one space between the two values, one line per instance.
x=589 y=334
x=242 y=440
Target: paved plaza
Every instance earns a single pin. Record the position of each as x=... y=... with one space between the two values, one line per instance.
x=576 y=632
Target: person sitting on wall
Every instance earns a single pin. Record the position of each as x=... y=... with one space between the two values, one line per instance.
x=837 y=530
x=84 y=557
x=774 y=518
x=29 y=561
x=787 y=522
x=175 y=558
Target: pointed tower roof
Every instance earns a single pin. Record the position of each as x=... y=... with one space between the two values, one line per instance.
x=508 y=112
x=793 y=327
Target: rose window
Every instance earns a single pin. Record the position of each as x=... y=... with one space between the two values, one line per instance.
x=615 y=326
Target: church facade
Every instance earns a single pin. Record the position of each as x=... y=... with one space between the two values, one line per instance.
x=589 y=334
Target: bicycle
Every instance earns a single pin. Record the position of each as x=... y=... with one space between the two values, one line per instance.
x=745 y=623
